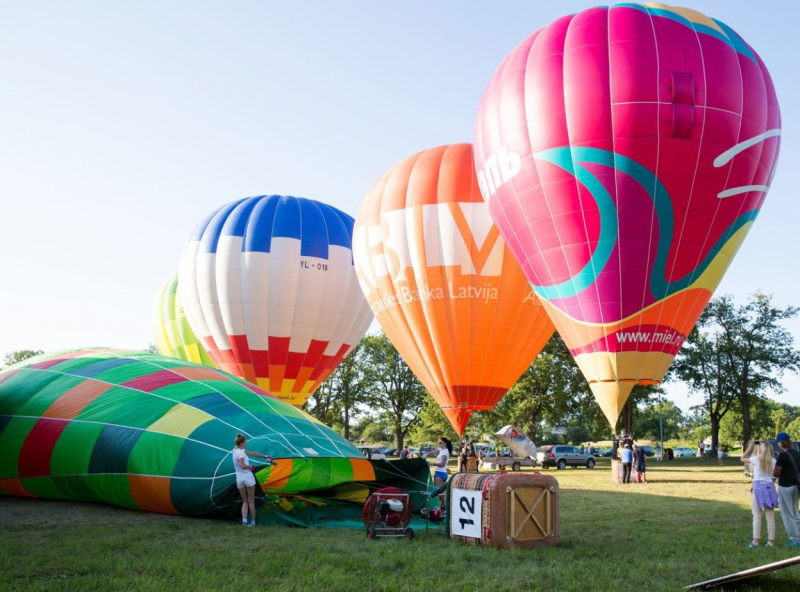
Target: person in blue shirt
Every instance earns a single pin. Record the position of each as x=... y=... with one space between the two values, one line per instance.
x=626 y=456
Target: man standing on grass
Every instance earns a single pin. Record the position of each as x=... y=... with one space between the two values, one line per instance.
x=626 y=456
x=787 y=470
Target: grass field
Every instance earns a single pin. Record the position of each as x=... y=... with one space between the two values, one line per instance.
x=690 y=523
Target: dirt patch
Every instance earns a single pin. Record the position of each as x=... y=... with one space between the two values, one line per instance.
x=20 y=511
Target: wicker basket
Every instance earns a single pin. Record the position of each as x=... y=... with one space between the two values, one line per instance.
x=504 y=510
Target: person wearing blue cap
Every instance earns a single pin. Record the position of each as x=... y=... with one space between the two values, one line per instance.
x=787 y=470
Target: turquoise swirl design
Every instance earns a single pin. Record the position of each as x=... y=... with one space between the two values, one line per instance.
x=563 y=158
x=570 y=159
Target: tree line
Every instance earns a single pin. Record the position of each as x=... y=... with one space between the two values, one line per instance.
x=734 y=357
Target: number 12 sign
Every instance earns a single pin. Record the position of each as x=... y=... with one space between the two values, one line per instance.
x=465 y=512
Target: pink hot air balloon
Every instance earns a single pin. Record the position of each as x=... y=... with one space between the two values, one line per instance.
x=625 y=153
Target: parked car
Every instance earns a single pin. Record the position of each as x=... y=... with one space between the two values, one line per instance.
x=648 y=451
x=564 y=456
x=683 y=452
x=598 y=452
x=372 y=453
x=607 y=452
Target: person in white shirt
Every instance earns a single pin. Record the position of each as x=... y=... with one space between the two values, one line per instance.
x=245 y=480
x=440 y=468
x=763 y=498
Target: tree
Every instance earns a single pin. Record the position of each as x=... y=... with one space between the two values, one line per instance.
x=550 y=390
x=757 y=349
x=656 y=416
x=736 y=354
x=432 y=424
x=374 y=432
x=696 y=425
x=396 y=393
x=336 y=400
x=793 y=429
x=15 y=357
x=767 y=418
x=322 y=403
x=782 y=415
x=641 y=396
x=702 y=364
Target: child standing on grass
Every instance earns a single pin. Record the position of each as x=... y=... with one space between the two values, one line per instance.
x=763 y=498
x=245 y=480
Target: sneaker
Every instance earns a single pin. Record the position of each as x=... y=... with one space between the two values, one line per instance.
x=245 y=523
x=251 y=523
x=753 y=545
x=793 y=544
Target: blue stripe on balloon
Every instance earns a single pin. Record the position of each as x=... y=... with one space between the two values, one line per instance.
x=120 y=440
x=218 y=406
x=314 y=238
x=237 y=220
x=340 y=227
x=258 y=219
x=286 y=222
x=258 y=233
x=213 y=229
x=197 y=234
x=92 y=370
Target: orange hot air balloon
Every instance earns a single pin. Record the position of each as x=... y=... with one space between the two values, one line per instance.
x=442 y=283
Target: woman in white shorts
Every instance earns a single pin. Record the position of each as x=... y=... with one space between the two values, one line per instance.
x=245 y=480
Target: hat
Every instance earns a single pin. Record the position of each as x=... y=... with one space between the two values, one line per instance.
x=783 y=437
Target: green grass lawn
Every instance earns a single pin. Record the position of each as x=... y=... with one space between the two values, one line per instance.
x=692 y=522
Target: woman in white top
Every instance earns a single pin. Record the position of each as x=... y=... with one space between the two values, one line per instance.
x=763 y=498
x=245 y=480
x=440 y=468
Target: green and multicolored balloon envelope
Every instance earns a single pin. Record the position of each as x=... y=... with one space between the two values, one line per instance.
x=140 y=430
x=174 y=336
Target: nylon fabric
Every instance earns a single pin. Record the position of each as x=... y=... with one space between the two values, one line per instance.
x=624 y=154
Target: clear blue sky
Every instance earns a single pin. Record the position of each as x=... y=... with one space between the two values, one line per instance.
x=123 y=124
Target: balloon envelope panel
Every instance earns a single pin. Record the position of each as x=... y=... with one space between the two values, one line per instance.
x=144 y=431
x=625 y=153
x=268 y=284
x=174 y=336
x=442 y=283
